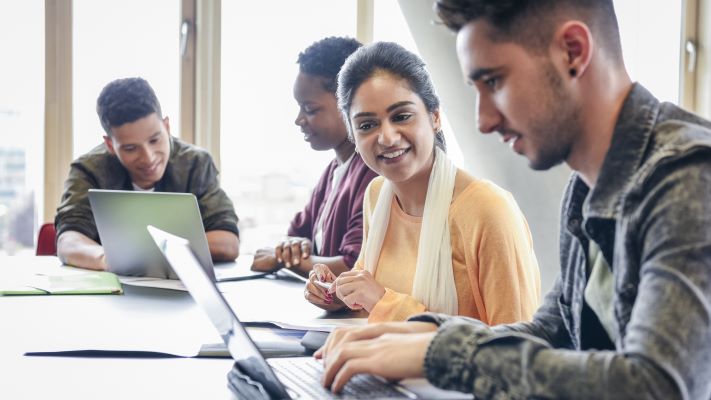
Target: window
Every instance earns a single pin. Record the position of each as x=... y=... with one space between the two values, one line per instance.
x=390 y=26
x=119 y=39
x=267 y=169
x=651 y=35
x=21 y=123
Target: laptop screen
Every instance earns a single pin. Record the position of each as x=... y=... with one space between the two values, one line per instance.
x=121 y=218
x=209 y=298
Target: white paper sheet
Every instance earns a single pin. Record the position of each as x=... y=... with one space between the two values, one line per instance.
x=321 y=324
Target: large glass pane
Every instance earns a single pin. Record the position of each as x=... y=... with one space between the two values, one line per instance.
x=267 y=168
x=651 y=39
x=21 y=123
x=118 y=39
x=390 y=26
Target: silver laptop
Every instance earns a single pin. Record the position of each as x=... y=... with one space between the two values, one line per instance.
x=286 y=377
x=121 y=217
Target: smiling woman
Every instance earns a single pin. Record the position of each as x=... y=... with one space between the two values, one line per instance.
x=435 y=238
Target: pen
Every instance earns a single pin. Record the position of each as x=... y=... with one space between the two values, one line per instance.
x=325 y=285
x=294 y=275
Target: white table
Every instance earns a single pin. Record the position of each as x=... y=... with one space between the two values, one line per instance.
x=142 y=315
x=143 y=319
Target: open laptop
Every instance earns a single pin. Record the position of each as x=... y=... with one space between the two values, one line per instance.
x=287 y=377
x=121 y=217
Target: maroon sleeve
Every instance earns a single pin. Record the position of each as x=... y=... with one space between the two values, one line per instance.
x=304 y=221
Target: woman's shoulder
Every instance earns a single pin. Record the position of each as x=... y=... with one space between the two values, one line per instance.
x=461 y=182
x=479 y=196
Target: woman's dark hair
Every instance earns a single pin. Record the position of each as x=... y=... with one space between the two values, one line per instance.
x=325 y=58
x=393 y=59
x=126 y=100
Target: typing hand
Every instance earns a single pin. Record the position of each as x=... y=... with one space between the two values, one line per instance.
x=393 y=356
x=292 y=250
x=344 y=335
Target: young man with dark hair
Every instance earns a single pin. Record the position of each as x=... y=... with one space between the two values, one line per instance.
x=630 y=314
x=138 y=153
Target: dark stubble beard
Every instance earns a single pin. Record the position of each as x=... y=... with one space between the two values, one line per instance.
x=557 y=124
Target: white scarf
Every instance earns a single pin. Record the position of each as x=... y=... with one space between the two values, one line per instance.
x=433 y=285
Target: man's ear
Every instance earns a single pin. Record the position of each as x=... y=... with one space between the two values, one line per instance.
x=575 y=41
x=109 y=144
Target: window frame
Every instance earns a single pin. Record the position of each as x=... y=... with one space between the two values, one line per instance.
x=200 y=77
x=58 y=120
x=695 y=69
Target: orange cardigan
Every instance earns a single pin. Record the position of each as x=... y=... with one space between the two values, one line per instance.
x=495 y=269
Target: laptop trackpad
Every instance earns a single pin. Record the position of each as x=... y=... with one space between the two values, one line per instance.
x=313 y=340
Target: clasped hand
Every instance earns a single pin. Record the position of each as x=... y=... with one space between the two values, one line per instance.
x=355 y=289
x=288 y=253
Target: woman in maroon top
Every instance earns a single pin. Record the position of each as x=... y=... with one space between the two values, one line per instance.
x=330 y=228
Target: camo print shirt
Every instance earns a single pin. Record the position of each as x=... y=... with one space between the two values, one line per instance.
x=650 y=213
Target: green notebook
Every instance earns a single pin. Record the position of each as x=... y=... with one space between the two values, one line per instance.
x=83 y=282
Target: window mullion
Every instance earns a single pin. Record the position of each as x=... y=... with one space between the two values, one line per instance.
x=187 y=30
x=689 y=52
x=703 y=59
x=58 y=123
x=207 y=77
x=365 y=23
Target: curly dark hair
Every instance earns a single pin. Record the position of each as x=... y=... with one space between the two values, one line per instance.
x=393 y=59
x=126 y=100
x=531 y=22
x=326 y=57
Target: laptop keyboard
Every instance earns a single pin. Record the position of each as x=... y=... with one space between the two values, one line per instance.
x=303 y=375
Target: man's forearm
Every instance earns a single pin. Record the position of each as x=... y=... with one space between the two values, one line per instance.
x=74 y=248
x=467 y=356
x=224 y=245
